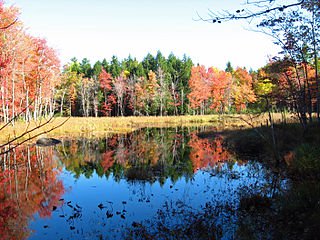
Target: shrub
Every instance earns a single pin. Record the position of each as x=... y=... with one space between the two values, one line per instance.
x=306 y=162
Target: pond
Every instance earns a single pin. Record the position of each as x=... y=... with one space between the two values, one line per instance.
x=152 y=183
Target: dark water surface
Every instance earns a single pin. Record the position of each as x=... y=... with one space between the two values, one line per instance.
x=153 y=182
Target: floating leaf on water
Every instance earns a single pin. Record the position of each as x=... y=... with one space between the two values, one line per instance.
x=70 y=206
x=100 y=206
x=135 y=224
x=78 y=206
x=109 y=214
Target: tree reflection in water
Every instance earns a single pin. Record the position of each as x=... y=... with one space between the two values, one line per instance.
x=147 y=154
x=207 y=152
x=152 y=183
x=29 y=185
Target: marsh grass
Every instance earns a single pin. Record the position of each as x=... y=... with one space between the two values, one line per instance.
x=298 y=148
x=104 y=126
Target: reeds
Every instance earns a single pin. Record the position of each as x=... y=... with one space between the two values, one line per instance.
x=102 y=126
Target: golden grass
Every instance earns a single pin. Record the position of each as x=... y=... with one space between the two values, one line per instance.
x=103 y=126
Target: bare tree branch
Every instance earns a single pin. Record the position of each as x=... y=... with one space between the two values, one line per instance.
x=28 y=139
x=26 y=132
x=9 y=25
x=16 y=138
x=246 y=14
x=16 y=116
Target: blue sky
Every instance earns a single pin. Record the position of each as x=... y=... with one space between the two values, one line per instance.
x=98 y=29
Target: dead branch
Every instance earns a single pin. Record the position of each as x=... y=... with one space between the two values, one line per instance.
x=246 y=14
x=16 y=116
x=30 y=138
x=9 y=25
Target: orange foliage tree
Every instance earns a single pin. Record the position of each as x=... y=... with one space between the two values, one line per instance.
x=209 y=89
x=296 y=87
x=242 y=89
x=146 y=90
x=29 y=70
x=106 y=86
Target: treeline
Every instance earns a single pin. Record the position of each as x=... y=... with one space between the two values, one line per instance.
x=154 y=86
x=33 y=85
x=161 y=86
x=157 y=86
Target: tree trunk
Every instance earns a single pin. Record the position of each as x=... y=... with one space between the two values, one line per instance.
x=13 y=95
x=62 y=101
x=315 y=52
x=174 y=98
x=309 y=104
x=40 y=101
x=28 y=117
x=182 y=102
x=95 y=104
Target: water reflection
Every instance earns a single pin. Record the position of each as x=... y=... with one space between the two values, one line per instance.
x=29 y=185
x=149 y=154
x=207 y=152
x=137 y=185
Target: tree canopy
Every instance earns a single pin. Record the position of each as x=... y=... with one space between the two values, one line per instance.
x=33 y=83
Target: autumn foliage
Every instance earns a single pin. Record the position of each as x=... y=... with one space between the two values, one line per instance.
x=294 y=87
x=31 y=81
x=29 y=70
x=219 y=90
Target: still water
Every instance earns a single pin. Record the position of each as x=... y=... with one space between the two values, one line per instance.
x=152 y=182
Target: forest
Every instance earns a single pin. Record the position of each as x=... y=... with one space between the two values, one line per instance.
x=192 y=159
x=35 y=84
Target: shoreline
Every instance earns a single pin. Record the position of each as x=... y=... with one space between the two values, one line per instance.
x=102 y=126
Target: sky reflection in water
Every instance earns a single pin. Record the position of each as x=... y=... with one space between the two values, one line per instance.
x=110 y=185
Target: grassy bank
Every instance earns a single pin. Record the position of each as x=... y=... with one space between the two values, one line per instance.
x=292 y=146
x=293 y=212
x=91 y=127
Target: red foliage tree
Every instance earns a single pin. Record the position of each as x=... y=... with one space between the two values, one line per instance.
x=29 y=69
x=209 y=89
